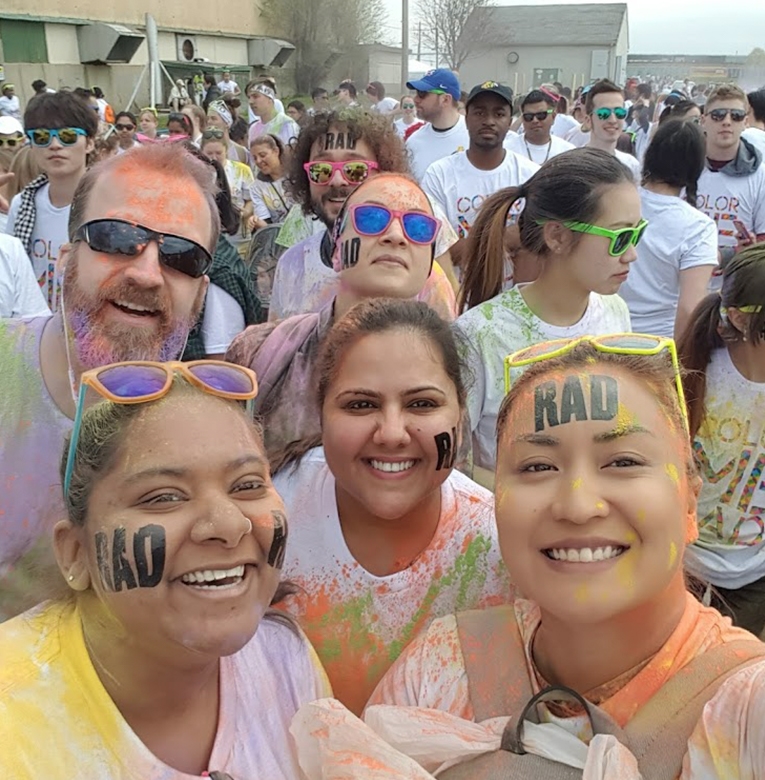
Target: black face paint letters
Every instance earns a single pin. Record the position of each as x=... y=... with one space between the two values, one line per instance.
x=149 y=551
x=279 y=543
x=350 y=252
x=446 y=446
x=551 y=409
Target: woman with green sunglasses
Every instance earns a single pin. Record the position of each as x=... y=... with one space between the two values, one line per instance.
x=578 y=230
x=158 y=655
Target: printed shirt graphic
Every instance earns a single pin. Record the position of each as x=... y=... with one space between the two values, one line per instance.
x=728 y=198
x=460 y=188
x=50 y=234
x=269 y=199
x=32 y=432
x=240 y=180
x=503 y=325
x=51 y=695
x=359 y=623
x=730 y=453
x=727 y=743
x=302 y=283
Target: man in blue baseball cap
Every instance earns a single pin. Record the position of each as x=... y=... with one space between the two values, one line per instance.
x=438 y=93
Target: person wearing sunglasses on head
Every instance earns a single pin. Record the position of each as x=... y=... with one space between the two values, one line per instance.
x=538 y=144
x=732 y=185
x=334 y=154
x=595 y=506
x=723 y=352
x=606 y=115
x=159 y=655
x=125 y=125
x=580 y=224
x=385 y=535
x=61 y=129
x=134 y=275
x=383 y=246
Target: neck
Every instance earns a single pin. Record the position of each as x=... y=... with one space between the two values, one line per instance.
x=541 y=142
x=584 y=656
x=748 y=359
x=62 y=189
x=606 y=146
x=756 y=124
x=554 y=298
x=384 y=546
x=486 y=159
x=267 y=115
x=447 y=119
x=715 y=153
x=345 y=300
x=662 y=188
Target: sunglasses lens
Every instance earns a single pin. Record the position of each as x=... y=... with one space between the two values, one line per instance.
x=116 y=238
x=737 y=115
x=371 y=220
x=603 y=113
x=225 y=379
x=620 y=113
x=320 y=173
x=631 y=341
x=420 y=228
x=622 y=242
x=67 y=136
x=41 y=137
x=133 y=381
x=124 y=127
x=355 y=172
x=184 y=256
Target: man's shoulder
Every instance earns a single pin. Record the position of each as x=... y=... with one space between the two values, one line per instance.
x=20 y=337
x=302 y=252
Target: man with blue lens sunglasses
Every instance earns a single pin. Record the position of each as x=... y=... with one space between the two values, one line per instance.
x=606 y=114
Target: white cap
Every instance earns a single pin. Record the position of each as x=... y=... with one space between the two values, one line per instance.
x=10 y=126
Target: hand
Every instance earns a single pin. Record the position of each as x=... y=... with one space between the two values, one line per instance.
x=253 y=223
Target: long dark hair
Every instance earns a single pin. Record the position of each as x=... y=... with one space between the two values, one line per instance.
x=229 y=214
x=710 y=328
x=567 y=187
x=676 y=156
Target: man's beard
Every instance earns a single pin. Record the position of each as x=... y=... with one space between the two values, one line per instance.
x=99 y=343
x=331 y=193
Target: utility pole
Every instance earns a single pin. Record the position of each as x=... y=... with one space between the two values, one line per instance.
x=419 y=41
x=436 y=45
x=404 y=45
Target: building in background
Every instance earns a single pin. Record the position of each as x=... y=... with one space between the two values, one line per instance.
x=104 y=43
x=531 y=45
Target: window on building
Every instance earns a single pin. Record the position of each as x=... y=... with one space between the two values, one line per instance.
x=23 y=41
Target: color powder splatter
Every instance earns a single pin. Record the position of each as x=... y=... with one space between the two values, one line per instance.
x=625 y=419
x=672 y=555
x=671 y=470
x=577 y=483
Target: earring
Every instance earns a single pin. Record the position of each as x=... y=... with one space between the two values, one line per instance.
x=71 y=578
x=743 y=337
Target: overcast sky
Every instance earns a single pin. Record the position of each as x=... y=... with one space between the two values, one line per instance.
x=656 y=26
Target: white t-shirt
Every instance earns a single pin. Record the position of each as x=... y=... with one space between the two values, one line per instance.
x=427 y=145
x=223 y=320
x=578 y=137
x=281 y=125
x=725 y=198
x=253 y=117
x=269 y=200
x=460 y=188
x=386 y=106
x=562 y=124
x=678 y=237
x=631 y=162
x=756 y=137
x=401 y=127
x=49 y=235
x=228 y=86
x=20 y=295
x=503 y=325
x=359 y=622
x=537 y=153
x=730 y=453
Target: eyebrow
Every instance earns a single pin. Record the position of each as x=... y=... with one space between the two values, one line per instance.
x=166 y=471
x=545 y=440
x=376 y=394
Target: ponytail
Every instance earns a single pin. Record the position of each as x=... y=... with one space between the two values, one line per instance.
x=485 y=257
x=694 y=349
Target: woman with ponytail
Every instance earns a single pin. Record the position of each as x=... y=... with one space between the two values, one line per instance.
x=679 y=249
x=581 y=221
x=723 y=353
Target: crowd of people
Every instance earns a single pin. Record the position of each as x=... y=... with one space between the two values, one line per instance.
x=383 y=438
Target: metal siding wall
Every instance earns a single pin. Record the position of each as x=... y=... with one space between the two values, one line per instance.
x=23 y=41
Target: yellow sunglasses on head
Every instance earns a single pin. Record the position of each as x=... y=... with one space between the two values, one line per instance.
x=615 y=344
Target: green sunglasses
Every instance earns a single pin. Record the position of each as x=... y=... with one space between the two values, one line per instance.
x=621 y=240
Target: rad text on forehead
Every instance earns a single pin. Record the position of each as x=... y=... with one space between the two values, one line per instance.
x=337 y=139
x=557 y=403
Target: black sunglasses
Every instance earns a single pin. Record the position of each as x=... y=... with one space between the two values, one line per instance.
x=540 y=116
x=124 y=127
x=118 y=237
x=719 y=114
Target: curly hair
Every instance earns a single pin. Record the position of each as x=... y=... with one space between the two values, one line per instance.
x=375 y=130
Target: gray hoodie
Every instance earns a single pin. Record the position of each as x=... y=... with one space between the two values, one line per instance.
x=747 y=160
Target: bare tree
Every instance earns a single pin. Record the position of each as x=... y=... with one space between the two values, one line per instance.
x=320 y=30
x=455 y=28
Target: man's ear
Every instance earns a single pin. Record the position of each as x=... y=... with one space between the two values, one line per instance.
x=63 y=257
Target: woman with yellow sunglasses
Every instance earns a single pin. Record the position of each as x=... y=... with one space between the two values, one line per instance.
x=595 y=504
x=580 y=224
x=723 y=351
x=158 y=656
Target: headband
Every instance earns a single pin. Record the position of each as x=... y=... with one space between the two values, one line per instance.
x=221 y=109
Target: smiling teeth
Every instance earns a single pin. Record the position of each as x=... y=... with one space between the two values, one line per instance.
x=383 y=465
x=133 y=306
x=212 y=575
x=585 y=554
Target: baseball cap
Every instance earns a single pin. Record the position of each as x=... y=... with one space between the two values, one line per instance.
x=10 y=126
x=491 y=86
x=441 y=79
